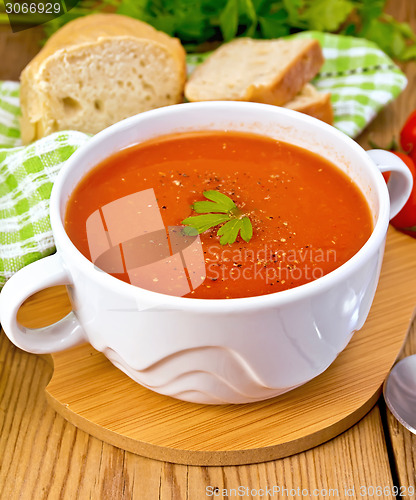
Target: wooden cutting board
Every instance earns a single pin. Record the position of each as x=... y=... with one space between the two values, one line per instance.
x=98 y=398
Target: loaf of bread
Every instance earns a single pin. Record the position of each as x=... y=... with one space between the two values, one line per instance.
x=267 y=71
x=313 y=103
x=97 y=70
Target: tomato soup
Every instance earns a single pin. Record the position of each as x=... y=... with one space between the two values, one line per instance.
x=307 y=217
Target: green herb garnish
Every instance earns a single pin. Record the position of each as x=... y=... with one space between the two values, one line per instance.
x=198 y=21
x=220 y=210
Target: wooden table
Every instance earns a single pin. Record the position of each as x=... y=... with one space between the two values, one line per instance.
x=43 y=456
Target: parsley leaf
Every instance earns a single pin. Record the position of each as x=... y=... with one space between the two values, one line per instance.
x=222 y=202
x=246 y=229
x=235 y=221
x=325 y=16
x=204 y=222
x=229 y=20
x=229 y=231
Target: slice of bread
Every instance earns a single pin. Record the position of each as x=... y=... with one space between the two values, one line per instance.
x=267 y=71
x=97 y=70
x=313 y=103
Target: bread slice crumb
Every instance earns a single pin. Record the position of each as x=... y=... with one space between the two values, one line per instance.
x=313 y=103
x=96 y=71
x=266 y=71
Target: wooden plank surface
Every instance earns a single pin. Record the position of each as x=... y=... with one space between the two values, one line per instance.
x=42 y=456
x=90 y=392
x=403 y=442
x=388 y=124
x=17 y=49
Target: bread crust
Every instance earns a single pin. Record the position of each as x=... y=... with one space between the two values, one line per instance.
x=277 y=89
x=319 y=106
x=285 y=87
x=94 y=26
x=82 y=33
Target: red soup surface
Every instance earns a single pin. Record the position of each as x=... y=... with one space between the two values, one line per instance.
x=308 y=217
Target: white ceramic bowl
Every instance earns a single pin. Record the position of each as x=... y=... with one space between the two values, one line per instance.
x=212 y=351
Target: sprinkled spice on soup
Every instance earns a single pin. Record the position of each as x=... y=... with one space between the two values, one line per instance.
x=274 y=216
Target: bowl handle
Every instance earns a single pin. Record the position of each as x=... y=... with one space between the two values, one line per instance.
x=401 y=181
x=41 y=274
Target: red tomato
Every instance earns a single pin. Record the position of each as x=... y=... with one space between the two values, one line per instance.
x=408 y=135
x=405 y=220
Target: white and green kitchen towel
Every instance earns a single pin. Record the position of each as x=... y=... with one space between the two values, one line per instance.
x=359 y=76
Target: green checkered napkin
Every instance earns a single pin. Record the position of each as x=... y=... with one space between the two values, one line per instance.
x=360 y=77
x=26 y=179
